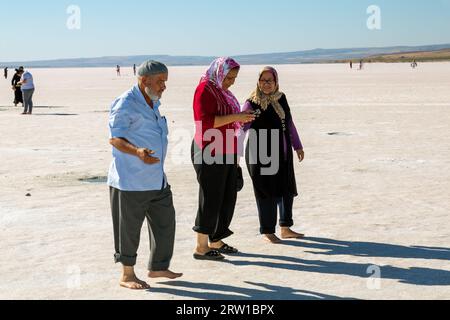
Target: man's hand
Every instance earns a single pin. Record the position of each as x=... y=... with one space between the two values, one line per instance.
x=125 y=146
x=146 y=156
x=301 y=155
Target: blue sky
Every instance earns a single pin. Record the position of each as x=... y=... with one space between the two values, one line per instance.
x=33 y=30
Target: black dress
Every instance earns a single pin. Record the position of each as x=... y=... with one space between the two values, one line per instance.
x=282 y=183
x=18 y=98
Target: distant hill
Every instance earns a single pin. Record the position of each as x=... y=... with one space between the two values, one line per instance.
x=421 y=56
x=385 y=54
x=332 y=55
x=112 y=61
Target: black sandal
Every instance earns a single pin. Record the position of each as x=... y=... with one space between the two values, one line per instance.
x=213 y=255
x=226 y=249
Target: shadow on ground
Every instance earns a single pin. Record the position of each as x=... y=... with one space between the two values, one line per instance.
x=226 y=292
x=20 y=106
x=49 y=107
x=414 y=275
x=371 y=249
x=56 y=114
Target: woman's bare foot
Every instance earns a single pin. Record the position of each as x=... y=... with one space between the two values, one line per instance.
x=287 y=233
x=133 y=283
x=164 y=274
x=216 y=245
x=202 y=250
x=272 y=238
x=202 y=244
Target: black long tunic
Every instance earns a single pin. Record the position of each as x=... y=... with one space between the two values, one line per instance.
x=283 y=183
x=18 y=98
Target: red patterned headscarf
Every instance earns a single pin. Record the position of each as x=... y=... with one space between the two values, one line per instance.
x=214 y=76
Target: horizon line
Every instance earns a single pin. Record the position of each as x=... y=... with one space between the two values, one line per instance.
x=215 y=56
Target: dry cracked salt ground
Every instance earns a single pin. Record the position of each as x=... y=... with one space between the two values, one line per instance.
x=374 y=190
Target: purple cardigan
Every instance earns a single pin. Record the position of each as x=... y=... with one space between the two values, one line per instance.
x=296 y=142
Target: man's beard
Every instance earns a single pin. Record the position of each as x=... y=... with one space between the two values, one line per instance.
x=154 y=97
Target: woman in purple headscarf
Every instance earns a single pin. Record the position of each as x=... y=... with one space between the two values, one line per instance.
x=218 y=120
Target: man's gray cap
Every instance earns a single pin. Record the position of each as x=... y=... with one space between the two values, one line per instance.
x=151 y=68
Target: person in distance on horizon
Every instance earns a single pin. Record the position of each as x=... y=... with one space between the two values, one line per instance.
x=15 y=84
x=27 y=87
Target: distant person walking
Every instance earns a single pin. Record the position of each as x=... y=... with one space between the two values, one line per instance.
x=27 y=88
x=414 y=64
x=6 y=72
x=134 y=69
x=118 y=70
x=361 y=65
x=351 y=64
x=16 y=86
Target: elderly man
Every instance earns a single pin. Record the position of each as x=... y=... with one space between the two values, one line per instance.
x=138 y=184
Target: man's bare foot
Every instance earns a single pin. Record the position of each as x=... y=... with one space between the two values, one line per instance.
x=164 y=274
x=133 y=283
x=287 y=233
x=272 y=238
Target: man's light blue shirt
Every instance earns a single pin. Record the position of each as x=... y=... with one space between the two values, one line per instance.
x=133 y=119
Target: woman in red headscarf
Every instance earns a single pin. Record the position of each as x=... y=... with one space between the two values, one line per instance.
x=218 y=119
